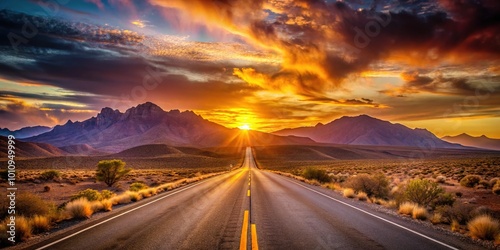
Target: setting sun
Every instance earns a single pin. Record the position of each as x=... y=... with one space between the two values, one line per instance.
x=244 y=127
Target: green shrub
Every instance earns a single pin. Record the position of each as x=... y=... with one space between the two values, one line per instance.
x=89 y=194
x=444 y=199
x=422 y=192
x=106 y=194
x=50 y=175
x=316 y=174
x=459 y=212
x=377 y=185
x=111 y=171
x=29 y=204
x=137 y=186
x=470 y=180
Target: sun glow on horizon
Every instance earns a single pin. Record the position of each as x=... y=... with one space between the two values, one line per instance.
x=244 y=127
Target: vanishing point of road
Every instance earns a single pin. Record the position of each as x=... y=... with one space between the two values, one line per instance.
x=250 y=209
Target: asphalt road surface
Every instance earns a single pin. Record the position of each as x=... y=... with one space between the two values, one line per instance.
x=249 y=209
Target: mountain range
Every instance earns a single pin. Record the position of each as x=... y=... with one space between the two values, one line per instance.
x=366 y=130
x=113 y=131
x=25 y=132
x=471 y=141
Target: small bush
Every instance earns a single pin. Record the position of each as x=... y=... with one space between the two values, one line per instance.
x=40 y=223
x=316 y=174
x=96 y=206
x=440 y=179
x=79 y=209
x=422 y=192
x=455 y=226
x=419 y=213
x=111 y=171
x=377 y=185
x=46 y=189
x=50 y=175
x=147 y=192
x=23 y=228
x=436 y=218
x=493 y=181
x=406 y=208
x=137 y=186
x=348 y=192
x=391 y=204
x=29 y=204
x=121 y=199
x=496 y=188
x=470 y=180
x=459 y=212
x=89 y=194
x=106 y=194
x=362 y=196
x=134 y=196
x=483 y=227
x=444 y=199
x=107 y=205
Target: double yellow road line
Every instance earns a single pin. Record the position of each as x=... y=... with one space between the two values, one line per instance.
x=244 y=229
x=244 y=234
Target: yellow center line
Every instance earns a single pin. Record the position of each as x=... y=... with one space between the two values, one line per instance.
x=244 y=232
x=255 y=245
x=248 y=193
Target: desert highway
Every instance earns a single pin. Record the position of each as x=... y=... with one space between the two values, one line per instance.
x=249 y=209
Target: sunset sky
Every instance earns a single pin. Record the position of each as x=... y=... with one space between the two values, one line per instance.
x=269 y=64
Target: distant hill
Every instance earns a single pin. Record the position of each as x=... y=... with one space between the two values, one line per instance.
x=28 y=149
x=25 y=132
x=161 y=150
x=81 y=149
x=478 y=142
x=366 y=130
x=113 y=131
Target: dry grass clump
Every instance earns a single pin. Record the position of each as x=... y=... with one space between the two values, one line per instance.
x=147 y=192
x=332 y=186
x=40 y=223
x=436 y=218
x=419 y=213
x=362 y=196
x=407 y=208
x=23 y=228
x=496 y=188
x=134 y=196
x=349 y=193
x=484 y=227
x=96 y=206
x=414 y=210
x=80 y=209
x=121 y=199
x=390 y=204
x=470 y=180
x=455 y=226
x=107 y=205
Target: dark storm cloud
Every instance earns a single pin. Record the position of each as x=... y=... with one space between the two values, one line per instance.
x=333 y=40
x=444 y=85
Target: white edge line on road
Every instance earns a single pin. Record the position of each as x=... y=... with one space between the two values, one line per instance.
x=376 y=216
x=116 y=216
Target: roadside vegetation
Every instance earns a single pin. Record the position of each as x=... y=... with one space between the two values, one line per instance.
x=420 y=197
x=35 y=215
